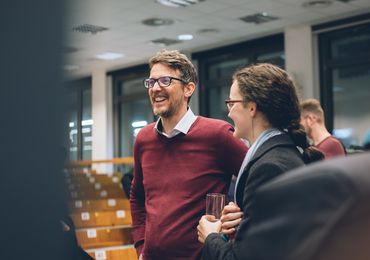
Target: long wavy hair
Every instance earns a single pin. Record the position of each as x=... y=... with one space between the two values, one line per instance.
x=275 y=95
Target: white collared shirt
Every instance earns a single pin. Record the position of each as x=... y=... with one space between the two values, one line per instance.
x=182 y=126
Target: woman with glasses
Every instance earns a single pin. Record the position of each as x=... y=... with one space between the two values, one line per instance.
x=264 y=106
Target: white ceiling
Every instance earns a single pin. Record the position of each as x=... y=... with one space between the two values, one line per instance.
x=127 y=35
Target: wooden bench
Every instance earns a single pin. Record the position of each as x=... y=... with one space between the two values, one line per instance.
x=113 y=253
x=76 y=206
x=104 y=237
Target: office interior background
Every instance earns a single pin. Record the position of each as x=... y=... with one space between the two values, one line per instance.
x=324 y=45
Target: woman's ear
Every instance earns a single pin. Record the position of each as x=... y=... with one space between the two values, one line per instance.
x=252 y=108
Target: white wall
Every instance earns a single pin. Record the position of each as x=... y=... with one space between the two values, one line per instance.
x=299 y=60
x=102 y=137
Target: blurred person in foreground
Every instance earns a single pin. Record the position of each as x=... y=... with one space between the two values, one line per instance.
x=265 y=109
x=178 y=160
x=313 y=121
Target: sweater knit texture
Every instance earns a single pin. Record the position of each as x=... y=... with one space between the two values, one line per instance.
x=171 y=179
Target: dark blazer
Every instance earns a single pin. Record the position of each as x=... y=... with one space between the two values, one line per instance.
x=319 y=212
x=275 y=157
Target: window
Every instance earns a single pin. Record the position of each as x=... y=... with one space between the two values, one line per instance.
x=80 y=120
x=132 y=109
x=216 y=68
x=345 y=82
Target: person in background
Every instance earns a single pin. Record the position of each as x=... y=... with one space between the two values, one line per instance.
x=126 y=182
x=265 y=109
x=313 y=120
x=177 y=161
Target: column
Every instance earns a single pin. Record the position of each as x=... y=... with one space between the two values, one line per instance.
x=299 y=60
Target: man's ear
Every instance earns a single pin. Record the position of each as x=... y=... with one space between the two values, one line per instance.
x=189 y=89
x=311 y=119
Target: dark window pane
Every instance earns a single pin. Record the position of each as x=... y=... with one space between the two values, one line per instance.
x=353 y=45
x=73 y=131
x=86 y=125
x=132 y=86
x=351 y=95
x=134 y=116
x=277 y=58
x=225 y=68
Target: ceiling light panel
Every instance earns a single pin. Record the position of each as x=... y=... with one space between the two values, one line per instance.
x=165 y=41
x=109 y=56
x=258 y=18
x=157 y=22
x=178 y=3
x=89 y=28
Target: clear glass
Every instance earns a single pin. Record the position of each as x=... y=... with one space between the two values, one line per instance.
x=215 y=203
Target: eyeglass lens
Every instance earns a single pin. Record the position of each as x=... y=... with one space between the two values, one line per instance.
x=162 y=82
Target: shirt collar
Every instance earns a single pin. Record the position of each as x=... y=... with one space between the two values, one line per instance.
x=182 y=126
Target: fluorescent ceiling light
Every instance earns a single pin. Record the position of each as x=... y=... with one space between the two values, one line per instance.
x=86 y=130
x=139 y=124
x=70 y=67
x=87 y=122
x=185 y=37
x=178 y=3
x=109 y=55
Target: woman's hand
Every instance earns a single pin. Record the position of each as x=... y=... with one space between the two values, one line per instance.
x=207 y=225
x=231 y=218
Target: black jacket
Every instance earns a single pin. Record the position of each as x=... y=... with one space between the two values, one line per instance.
x=318 y=212
x=275 y=157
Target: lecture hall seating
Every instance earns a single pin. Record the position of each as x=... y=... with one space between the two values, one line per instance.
x=100 y=211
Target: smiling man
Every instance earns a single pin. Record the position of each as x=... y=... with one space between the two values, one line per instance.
x=178 y=160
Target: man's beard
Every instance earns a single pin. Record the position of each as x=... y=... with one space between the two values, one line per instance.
x=170 y=111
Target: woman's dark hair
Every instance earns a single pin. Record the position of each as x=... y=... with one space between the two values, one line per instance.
x=275 y=95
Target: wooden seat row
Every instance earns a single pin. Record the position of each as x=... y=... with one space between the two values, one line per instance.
x=114 y=204
x=104 y=237
x=92 y=193
x=118 y=252
x=101 y=214
x=101 y=218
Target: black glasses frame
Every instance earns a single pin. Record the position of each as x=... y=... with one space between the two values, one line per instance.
x=230 y=103
x=150 y=82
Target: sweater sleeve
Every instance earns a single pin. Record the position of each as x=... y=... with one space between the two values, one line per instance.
x=137 y=203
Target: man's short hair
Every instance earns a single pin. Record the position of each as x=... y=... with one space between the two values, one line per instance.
x=313 y=106
x=177 y=61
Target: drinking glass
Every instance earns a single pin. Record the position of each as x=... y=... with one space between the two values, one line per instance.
x=215 y=203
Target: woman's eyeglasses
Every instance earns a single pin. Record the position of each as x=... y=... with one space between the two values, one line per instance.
x=230 y=103
x=162 y=81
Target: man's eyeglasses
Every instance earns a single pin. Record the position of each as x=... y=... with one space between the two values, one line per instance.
x=230 y=103
x=162 y=81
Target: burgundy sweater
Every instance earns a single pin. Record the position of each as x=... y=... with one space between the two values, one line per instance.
x=331 y=147
x=171 y=180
